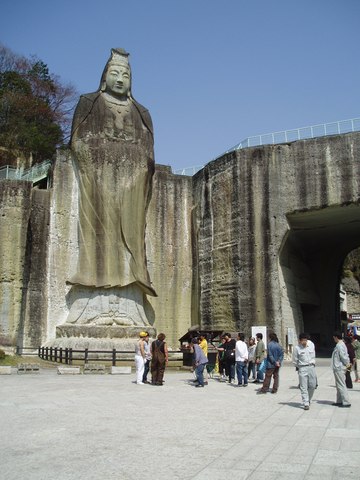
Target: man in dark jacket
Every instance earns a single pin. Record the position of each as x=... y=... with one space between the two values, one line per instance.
x=275 y=356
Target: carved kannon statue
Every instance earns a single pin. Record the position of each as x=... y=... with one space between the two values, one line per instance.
x=112 y=145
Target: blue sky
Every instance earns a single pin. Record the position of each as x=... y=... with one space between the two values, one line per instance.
x=211 y=72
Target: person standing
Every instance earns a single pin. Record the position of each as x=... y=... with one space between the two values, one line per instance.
x=203 y=344
x=200 y=361
x=241 y=360
x=228 y=347
x=259 y=357
x=339 y=363
x=356 y=345
x=221 y=359
x=304 y=360
x=251 y=359
x=140 y=357
x=275 y=356
x=351 y=353
x=147 y=350
x=160 y=358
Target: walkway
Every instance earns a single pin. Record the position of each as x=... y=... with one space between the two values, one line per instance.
x=105 y=427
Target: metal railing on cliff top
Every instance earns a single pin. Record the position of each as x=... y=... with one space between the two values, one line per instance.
x=321 y=130
x=33 y=174
x=40 y=171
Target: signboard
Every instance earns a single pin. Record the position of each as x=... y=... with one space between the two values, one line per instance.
x=260 y=329
x=354 y=316
x=291 y=336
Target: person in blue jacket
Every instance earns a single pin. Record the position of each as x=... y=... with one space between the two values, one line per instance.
x=200 y=361
x=275 y=356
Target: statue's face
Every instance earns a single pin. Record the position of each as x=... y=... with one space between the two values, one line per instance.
x=118 y=80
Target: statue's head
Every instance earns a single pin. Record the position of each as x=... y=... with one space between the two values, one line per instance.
x=116 y=77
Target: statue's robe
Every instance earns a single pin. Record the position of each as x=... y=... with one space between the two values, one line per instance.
x=113 y=151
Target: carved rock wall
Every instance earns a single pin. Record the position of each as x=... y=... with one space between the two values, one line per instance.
x=15 y=206
x=257 y=237
x=169 y=253
x=35 y=294
x=248 y=274
x=63 y=240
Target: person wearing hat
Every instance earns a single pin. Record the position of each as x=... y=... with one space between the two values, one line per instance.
x=140 y=357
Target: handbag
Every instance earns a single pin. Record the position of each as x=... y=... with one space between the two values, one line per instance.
x=263 y=366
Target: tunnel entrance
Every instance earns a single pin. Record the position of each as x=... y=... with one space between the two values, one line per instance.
x=311 y=259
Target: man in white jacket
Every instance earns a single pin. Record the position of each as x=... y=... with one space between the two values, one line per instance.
x=339 y=363
x=304 y=360
x=241 y=360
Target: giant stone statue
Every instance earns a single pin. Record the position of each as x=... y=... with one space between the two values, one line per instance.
x=112 y=145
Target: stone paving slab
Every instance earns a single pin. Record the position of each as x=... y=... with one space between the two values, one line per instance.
x=94 y=427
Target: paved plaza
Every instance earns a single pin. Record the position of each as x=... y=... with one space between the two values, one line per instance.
x=106 y=427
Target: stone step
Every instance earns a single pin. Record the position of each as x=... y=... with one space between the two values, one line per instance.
x=5 y=370
x=120 y=370
x=94 y=368
x=28 y=368
x=68 y=370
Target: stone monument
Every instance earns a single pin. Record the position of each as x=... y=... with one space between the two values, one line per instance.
x=113 y=154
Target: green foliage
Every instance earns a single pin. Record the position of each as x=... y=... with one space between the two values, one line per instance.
x=2 y=354
x=351 y=266
x=35 y=108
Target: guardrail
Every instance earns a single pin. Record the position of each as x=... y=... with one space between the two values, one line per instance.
x=69 y=355
x=33 y=174
x=303 y=133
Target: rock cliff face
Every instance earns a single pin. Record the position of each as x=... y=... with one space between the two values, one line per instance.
x=257 y=237
x=15 y=207
x=169 y=253
x=274 y=224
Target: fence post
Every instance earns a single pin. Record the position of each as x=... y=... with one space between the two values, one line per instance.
x=114 y=357
x=86 y=355
x=70 y=356
x=61 y=355
x=66 y=356
x=47 y=353
x=51 y=354
x=55 y=356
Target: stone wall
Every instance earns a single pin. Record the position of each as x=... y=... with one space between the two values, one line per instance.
x=63 y=240
x=257 y=237
x=35 y=293
x=15 y=208
x=169 y=253
x=274 y=224
x=40 y=254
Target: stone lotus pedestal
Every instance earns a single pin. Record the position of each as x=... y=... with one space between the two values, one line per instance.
x=104 y=319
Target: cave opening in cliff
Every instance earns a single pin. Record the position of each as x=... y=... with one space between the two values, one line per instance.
x=311 y=259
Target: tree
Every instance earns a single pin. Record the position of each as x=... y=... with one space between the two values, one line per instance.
x=35 y=109
x=351 y=266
